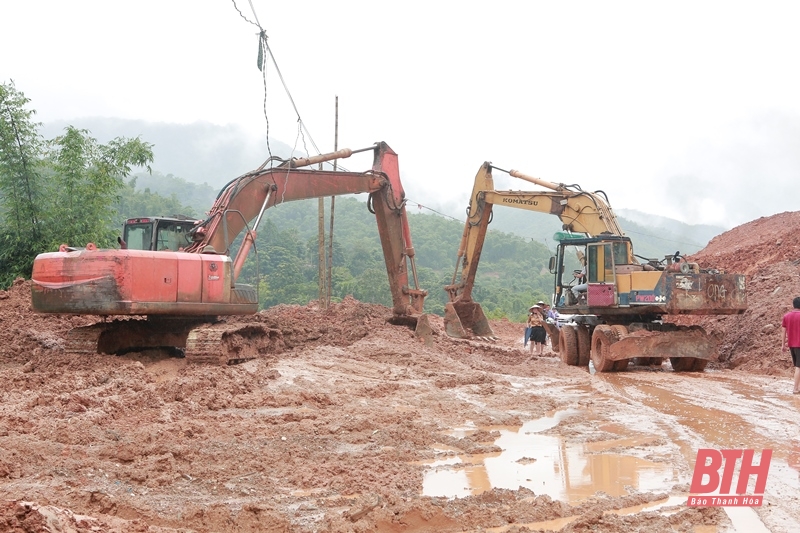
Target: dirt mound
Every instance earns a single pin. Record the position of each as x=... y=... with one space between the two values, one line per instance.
x=767 y=250
x=24 y=333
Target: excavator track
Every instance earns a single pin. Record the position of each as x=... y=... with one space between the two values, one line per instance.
x=83 y=340
x=230 y=344
x=199 y=341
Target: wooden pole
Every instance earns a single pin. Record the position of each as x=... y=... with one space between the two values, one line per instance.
x=321 y=251
x=333 y=203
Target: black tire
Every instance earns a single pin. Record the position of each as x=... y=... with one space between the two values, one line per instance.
x=618 y=331
x=602 y=339
x=568 y=345
x=584 y=345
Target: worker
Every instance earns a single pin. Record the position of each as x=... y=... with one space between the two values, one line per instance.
x=791 y=339
x=537 y=334
x=550 y=314
x=549 y=317
x=527 y=328
x=582 y=286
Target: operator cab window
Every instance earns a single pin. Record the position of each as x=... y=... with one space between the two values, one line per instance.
x=138 y=236
x=620 y=253
x=601 y=262
x=173 y=235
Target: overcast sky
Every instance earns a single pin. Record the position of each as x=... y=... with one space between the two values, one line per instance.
x=689 y=110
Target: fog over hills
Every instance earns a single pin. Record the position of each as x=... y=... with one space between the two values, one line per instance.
x=205 y=153
x=200 y=152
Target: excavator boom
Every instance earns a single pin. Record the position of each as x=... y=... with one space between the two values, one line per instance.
x=579 y=211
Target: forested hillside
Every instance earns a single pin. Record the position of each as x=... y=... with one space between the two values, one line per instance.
x=511 y=277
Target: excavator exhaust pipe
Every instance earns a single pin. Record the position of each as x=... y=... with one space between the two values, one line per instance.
x=463 y=318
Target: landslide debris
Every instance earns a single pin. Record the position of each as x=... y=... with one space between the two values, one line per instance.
x=767 y=251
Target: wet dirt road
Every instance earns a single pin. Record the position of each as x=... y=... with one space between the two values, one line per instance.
x=380 y=432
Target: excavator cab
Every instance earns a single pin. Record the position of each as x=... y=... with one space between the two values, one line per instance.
x=589 y=262
x=158 y=233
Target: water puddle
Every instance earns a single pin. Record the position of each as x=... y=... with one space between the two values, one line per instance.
x=546 y=464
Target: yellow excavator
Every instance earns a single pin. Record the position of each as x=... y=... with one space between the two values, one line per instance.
x=618 y=303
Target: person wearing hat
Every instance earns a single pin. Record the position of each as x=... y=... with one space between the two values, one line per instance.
x=537 y=335
x=550 y=317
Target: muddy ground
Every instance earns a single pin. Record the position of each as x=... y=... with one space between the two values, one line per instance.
x=356 y=425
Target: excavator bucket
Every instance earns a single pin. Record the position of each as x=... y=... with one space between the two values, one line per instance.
x=460 y=318
x=421 y=325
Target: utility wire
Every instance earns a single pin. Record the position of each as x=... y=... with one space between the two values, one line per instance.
x=420 y=206
x=263 y=45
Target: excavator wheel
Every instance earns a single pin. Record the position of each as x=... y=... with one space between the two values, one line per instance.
x=688 y=364
x=568 y=345
x=620 y=331
x=584 y=345
x=602 y=339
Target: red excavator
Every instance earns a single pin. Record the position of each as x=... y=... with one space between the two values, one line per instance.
x=182 y=277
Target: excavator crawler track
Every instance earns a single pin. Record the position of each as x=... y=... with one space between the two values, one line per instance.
x=199 y=341
x=230 y=344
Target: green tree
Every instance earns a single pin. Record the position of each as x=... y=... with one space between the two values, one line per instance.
x=87 y=180
x=22 y=191
x=137 y=203
x=61 y=191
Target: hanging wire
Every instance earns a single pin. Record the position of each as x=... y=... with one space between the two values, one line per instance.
x=263 y=46
x=420 y=206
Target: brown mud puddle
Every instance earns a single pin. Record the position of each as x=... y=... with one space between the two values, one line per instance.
x=546 y=464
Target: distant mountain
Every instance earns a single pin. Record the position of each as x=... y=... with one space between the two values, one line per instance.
x=701 y=233
x=664 y=236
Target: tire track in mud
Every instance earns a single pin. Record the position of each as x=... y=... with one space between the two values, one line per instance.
x=722 y=410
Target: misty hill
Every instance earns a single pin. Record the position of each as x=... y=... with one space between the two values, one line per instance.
x=200 y=152
x=674 y=229
x=204 y=153
x=663 y=237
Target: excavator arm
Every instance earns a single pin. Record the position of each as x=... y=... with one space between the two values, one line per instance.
x=580 y=212
x=246 y=198
x=201 y=280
